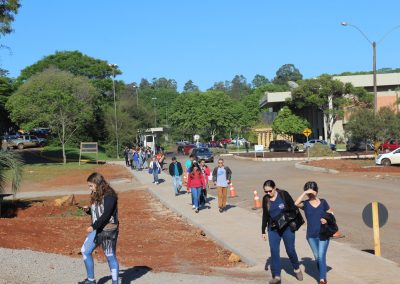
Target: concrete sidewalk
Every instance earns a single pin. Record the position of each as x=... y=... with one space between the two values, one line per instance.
x=239 y=231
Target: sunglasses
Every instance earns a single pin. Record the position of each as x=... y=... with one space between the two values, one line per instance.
x=268 y=191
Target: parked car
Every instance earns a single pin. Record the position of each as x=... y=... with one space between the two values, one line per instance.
x=225 y=141
x=388 y=159
x=182 y=143
x=25 y=141
x=187 y=148
x=40 y=132
x=203 y=153
x=214 y=144
x=282 y=145
x=312 y=142
x=240 y=141
x=390 y=145
x=359 y=146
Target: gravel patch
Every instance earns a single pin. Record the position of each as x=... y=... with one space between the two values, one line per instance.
x=26 y=266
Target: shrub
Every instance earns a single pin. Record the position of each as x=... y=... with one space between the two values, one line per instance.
x=320 y=150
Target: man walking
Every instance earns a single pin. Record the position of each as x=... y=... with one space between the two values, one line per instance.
x=175 y=170
x=221 y=178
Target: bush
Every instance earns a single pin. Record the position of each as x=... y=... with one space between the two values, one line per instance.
x=320 y=150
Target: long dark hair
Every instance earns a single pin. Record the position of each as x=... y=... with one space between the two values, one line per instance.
x=192 y=171
x=102 y=188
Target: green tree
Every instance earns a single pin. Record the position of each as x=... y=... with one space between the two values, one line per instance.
x=259 y=81
x=359 y=130
x=239 y=88
x=8 y=10
x=325 y=94
x=288 y=123
x=287 y=72
x=389 y=124
x=164 y=83
x=6 y=89
x=54 y=98
x=208 y=113
x=10 y=167
x=190 y=87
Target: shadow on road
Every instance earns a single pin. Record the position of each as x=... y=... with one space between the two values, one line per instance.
x=128 y=275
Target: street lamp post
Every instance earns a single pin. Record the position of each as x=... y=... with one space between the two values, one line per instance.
x=373 y=44
x=113 y=67
x=137 y=95
x=155 y=114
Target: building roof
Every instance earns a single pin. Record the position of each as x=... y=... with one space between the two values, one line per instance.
x=388 y=79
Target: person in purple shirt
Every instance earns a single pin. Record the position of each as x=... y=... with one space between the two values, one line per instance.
x=315 y=210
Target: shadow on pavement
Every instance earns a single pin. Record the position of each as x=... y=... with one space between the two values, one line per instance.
x=128 y=275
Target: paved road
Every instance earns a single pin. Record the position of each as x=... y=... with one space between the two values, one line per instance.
x=347 y=194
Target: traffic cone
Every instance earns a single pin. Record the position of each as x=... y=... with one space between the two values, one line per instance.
x=232 y=191
x=257 y=202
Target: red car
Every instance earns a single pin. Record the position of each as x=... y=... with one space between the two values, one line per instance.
x=187 y=148
x=390 y=145
x=225 y=141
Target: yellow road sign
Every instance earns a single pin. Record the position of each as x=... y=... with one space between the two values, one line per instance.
x=307 y=132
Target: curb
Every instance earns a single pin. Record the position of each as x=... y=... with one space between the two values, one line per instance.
x=248 y=261
x=285 y=159
x=301 y=166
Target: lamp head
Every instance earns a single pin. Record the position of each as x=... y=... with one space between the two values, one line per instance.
x=344 y=24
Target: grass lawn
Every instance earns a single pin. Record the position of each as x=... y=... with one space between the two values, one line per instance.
x=55 y=152
x=43 y=172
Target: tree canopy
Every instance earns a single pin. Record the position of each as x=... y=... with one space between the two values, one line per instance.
x=288 y=123
x=8 y=10
x=287 y=72
x=56 y=99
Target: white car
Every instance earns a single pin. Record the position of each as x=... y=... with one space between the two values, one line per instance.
x=240 y=141
x=388 y=159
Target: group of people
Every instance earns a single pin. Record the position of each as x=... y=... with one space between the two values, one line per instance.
x=281 y=219
x=140 y=158
x=197 y=175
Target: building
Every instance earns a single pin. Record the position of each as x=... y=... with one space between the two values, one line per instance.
x=388 y=86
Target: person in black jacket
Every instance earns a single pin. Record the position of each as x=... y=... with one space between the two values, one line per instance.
x=104 y=229
x=319 y=222
x=176 y=171
x=277 y=206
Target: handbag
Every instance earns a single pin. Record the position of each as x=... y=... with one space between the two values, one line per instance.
x=150 y=170
x=296 y=222
x=106 y=235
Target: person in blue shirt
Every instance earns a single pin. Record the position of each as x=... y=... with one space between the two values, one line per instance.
x=315 y=210
x=276 y=203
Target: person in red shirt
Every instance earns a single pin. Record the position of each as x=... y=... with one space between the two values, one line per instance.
x=206 y=173
x=196 y=183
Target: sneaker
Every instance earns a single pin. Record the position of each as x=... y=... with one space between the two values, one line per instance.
x=157 y=182
x=275 y=281
x=299 y=275
x=87 y=281
x=221 y=210
x=323 y=282
x=197 y=210
x=193 y=207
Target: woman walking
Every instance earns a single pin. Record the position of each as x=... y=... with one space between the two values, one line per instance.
x=318 y=213
x=155 y=169
x=195 y=183
x=104 y=229
x=277 y=203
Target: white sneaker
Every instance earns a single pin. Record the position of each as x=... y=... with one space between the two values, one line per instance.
x=193 y=207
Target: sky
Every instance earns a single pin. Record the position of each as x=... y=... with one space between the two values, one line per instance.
x=207 y=41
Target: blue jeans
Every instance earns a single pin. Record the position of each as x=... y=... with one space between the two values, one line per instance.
x=155 y=175
x=319 y=249
x=177 y=183
x=87 y=250
x=274 y=238
x=196 y=196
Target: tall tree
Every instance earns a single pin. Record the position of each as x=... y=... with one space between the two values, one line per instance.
x=259 y=81
x=287 y=72
x=359 y=130
x=325 y=94
x=239 y=87
x=288 y=123
x=190 y=87
x=8 y=10
x=164 y=83
x=209 y=113
x=56 y=99
x=6 y=89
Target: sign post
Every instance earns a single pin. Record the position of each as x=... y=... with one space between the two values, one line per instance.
x=258 y=148
x=307 y=132
x=375 y=215
x=89 y=148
